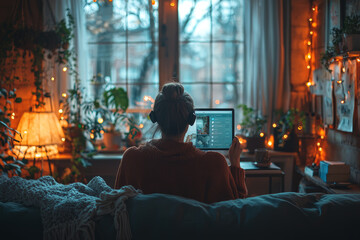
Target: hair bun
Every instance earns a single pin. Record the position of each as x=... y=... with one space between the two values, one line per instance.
x=172 y=90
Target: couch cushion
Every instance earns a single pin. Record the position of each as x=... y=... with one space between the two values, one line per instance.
x=282 y=215
x=20 y=222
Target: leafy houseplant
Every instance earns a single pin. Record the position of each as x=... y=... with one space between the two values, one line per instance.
x=114 y=104
x=345 y=39
x=251 y=128
x=8 y=163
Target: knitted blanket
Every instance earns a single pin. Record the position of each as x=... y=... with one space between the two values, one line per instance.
x=69 y=211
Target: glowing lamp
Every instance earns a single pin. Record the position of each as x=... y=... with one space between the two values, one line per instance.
x=274 y=125
x=308 y=67
x=41 y=133
x=64 y=69
x=261 y=134
x=308 y=84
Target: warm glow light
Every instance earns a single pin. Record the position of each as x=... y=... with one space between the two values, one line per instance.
x=52 y=79
x=238 y=127
x=313 y=8
x=274 y=125
x=339 y=81
x=38 y=155
x=314 y=24
x=311 y=32
x=342 y=101
x=310 y=19
x=25 y=132
x=64 y=69
x=141 y=125
x=358 y=59
x=343 y=69
x=217 y=101
x=309 y=43
x=12 y=117
x=308 y=84
x=308 y=67
x=172 y=4
x=94 y=0
x=60 y=110
x=63 y=95
x=153 y=2
x=322 y=137
x=100 y=120
x=63 y=139
x=61 y=118
x=318 y=144
x=300 y=128
x=261 y=134
x=102 y=131
x=285 y=136
x=309 y=56
x=110 y=0
x=92 y=136
x=269 y=143
x=320 y=149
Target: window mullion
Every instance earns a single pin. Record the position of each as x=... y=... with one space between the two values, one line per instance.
x=168 y=42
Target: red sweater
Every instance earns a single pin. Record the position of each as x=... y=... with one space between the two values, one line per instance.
x=165 y=166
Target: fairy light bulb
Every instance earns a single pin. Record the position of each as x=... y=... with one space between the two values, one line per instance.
x=60 y=110
x=308 y=84
x=309 y=43
x=65 y=69
x=261 y=134
x=100 y=120
x=274 y=125
x=311 y=32
x=52 y=79
x=343 y=69
x=308 y=66
x=309 y=55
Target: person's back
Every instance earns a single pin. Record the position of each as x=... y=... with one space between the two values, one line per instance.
x=173 y=167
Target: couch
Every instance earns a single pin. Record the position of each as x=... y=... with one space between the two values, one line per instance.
x=159 y=216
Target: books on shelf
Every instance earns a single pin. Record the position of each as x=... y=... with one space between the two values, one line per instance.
x=334 y=171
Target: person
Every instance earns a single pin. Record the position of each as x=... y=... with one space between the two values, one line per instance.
x=171 y=166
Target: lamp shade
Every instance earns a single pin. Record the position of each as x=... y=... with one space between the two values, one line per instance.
x=39 y=129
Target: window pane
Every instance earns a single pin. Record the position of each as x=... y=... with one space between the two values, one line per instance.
x=227 y=62
x=228 y=96
x=194 y=62
x=227 y=19
x=143 y=63
x=142 y=21
x=194 y=20
x=137 y=93
x=200 y=94
x=105 y=22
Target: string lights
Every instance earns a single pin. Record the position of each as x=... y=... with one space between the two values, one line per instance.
x=309 y=42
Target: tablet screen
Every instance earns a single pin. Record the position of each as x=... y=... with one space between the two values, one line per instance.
x=213 y=129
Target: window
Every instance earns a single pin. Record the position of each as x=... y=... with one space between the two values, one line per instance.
x=125 y=49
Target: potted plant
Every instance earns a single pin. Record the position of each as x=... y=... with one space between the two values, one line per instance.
x=8 y=163
x=251 y=128
x=286 y=130
x=351 y=32
x=115 y=102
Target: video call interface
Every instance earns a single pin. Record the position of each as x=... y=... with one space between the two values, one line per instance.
x=212 y=129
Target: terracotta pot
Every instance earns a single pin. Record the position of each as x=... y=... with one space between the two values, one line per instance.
x=112 y=141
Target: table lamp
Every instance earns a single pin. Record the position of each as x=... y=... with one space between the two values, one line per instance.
x=41 y=133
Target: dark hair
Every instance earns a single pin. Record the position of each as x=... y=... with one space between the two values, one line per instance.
x=172 y=108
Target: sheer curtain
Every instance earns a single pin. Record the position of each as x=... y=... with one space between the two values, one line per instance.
x=266 y=80
x=55 y=11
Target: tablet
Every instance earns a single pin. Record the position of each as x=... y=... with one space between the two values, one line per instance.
x=213 y=129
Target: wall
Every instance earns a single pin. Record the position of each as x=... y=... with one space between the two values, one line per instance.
x=339 y=146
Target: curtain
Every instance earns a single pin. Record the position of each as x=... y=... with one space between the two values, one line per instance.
x=266 y=80
x=55 y=11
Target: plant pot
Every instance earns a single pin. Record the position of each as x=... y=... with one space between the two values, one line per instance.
x=112 y=141
x=352 y=42
x=253 y=143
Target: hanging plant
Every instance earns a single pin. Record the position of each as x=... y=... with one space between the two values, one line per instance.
x=34 y=43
